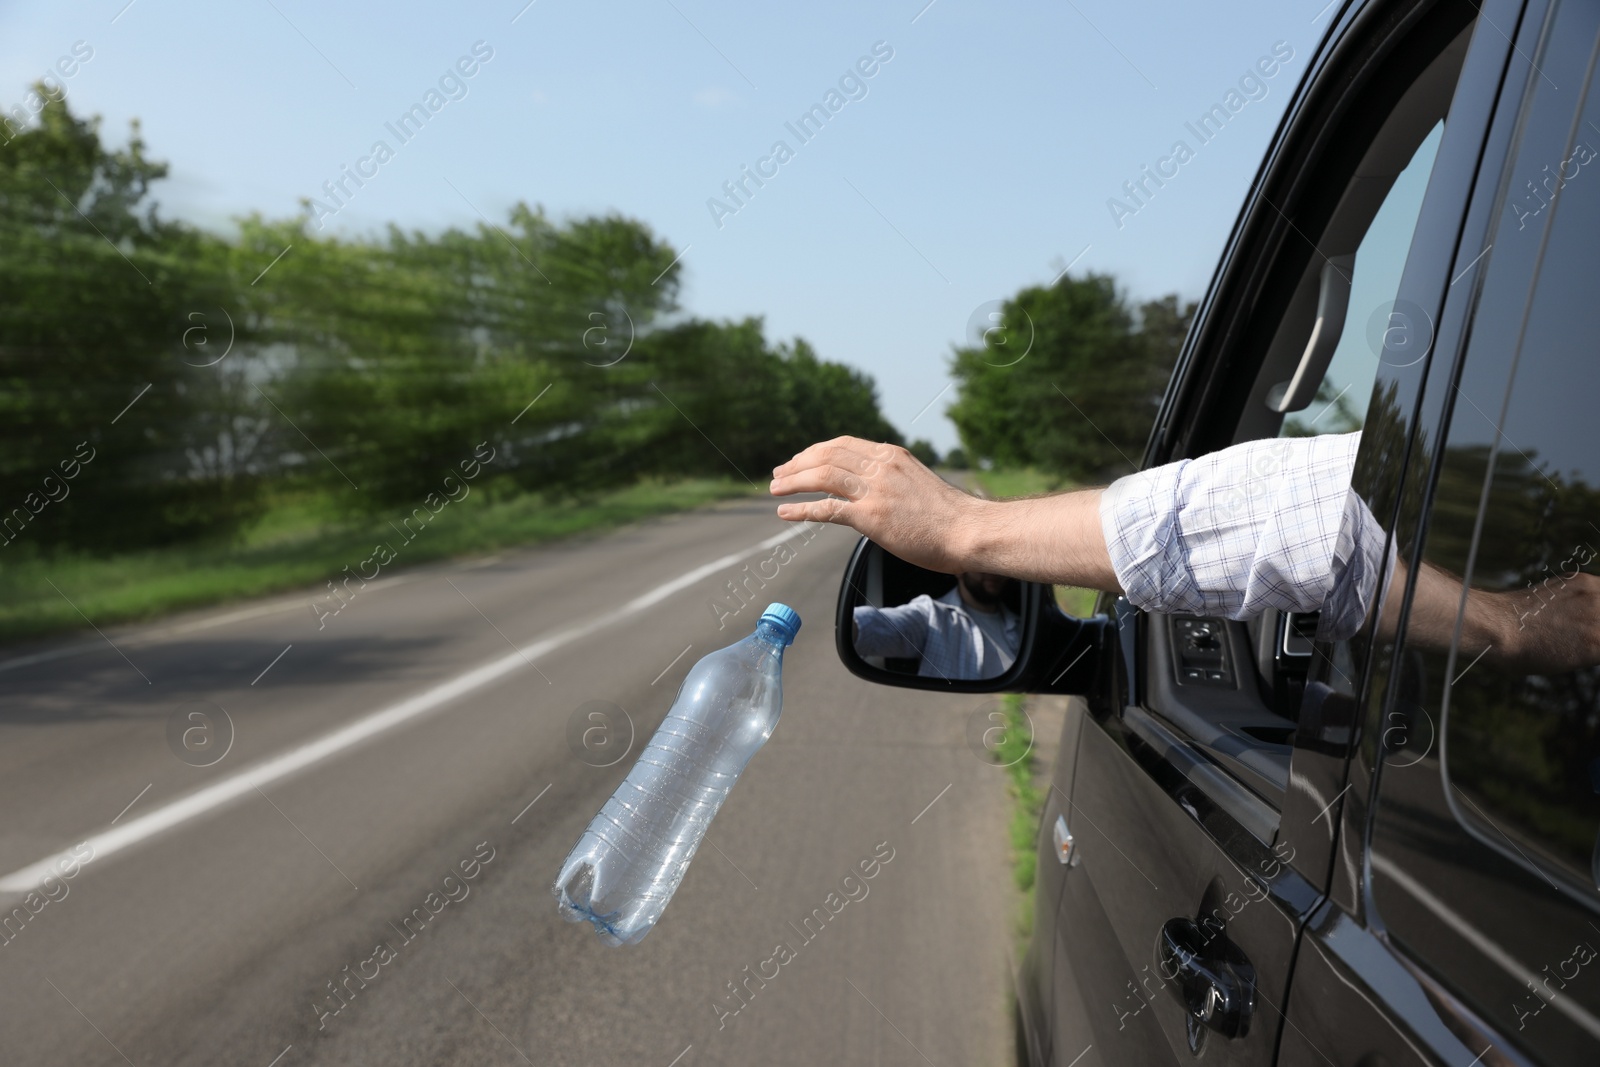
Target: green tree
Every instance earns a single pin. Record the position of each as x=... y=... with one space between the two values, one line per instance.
x=98 y=288
x=410 y=351
x=725 y=399
x=1070 y=380
x=924 y=451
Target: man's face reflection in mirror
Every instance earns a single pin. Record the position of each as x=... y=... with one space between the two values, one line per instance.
x=968 y=632
x=983 y=592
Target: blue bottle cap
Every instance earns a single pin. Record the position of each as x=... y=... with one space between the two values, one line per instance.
x=785 y=618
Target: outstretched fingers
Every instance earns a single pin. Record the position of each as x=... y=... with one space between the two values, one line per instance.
x=848 y=453
x=861 y=478
x=820 y=479
x=829 y=510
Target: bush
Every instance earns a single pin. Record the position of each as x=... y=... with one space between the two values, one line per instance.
x=924 y=451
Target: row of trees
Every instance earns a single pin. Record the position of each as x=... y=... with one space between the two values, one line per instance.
x=365 y=367
x=281 y=358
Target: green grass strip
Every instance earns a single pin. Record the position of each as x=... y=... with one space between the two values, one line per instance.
x=301 y=543
x=1015 y=754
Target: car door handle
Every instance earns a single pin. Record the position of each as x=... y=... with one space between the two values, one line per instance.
x=1209 y=976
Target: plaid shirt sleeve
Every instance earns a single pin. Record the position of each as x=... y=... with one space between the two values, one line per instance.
x=898 y=632
x=1264 y=524
x=941 y=633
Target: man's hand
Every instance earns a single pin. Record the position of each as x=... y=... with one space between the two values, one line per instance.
x=884 y=492
x=1553 y=631
x=1518 y=631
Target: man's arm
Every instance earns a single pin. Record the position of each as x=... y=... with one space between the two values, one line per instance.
x=1264 y=524
x=1560 y=633
x=897 y=632
x=882 y=491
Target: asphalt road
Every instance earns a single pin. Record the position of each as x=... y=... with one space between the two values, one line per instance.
x=425 y=727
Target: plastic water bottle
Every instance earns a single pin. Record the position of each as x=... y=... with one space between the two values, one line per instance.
x=629 y=862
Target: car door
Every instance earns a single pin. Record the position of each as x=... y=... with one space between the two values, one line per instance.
x=1463 y=923
x=1209 y=772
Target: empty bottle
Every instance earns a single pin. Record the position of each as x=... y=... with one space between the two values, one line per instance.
x=629 y=862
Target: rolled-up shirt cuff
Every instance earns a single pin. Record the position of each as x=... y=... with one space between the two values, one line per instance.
x=1265 y=524
x=1139 y=518
x=1362 y=566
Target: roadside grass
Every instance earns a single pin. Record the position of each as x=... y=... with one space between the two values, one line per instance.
x=1076 y=601
x=1015 y=754
x=302 y=541
x=1006 y=483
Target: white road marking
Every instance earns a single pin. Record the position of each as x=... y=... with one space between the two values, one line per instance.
x=202 y=801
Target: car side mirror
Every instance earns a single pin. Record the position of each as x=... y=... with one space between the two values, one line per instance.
x=899 y=624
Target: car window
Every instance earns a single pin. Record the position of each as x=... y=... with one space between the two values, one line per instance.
x=1371 y=317
x=1524 y=737
x=1239 y=686
x=1524 y=745
x=1483 y=855
x=1327 y=313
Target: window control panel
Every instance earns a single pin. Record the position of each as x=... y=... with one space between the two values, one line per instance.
x=1201 y=649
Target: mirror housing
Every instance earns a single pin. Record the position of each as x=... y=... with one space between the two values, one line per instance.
x=1056 y=653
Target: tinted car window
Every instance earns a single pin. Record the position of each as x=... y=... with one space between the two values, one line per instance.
x=1524 y=747
x=1482 y=854
x=1523 y=742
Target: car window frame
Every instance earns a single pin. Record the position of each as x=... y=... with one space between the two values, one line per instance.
x=1363 y=45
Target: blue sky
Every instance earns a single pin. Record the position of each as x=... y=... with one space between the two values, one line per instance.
x=980 y=159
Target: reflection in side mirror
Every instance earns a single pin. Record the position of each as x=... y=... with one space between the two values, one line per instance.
x=964 y=626
x=899 y=624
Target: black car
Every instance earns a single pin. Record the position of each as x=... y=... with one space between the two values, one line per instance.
x=1260 y=847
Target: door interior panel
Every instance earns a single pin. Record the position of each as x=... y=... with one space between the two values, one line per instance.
x=1204 y=677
